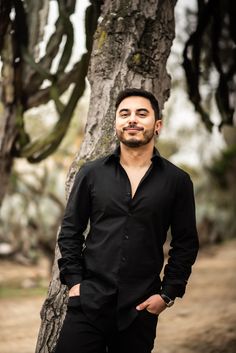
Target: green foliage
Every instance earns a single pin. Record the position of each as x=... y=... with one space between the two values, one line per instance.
x=17 y=292
x=223 y=166
x=216 y=195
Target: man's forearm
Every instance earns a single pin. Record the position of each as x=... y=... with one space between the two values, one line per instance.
x=184 y=245
x=71 y=238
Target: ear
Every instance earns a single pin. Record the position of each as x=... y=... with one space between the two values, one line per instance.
x=158 y=126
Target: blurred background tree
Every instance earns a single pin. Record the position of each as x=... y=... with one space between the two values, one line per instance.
x=209 y=62
x=40 y=86
x=210 y=59
x=30 y=77
x=204 y=52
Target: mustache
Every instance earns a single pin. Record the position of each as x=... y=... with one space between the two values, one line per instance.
x=133 y=127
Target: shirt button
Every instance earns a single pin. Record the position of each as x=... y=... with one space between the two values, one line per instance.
x=126 y=237
x=123 y=259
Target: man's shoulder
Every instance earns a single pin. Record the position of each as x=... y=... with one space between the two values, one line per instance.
x=174 y=170
x=94 y=164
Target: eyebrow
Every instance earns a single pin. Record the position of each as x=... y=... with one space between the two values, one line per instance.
x=138 y=110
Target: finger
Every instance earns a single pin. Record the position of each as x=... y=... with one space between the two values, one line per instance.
x=142 y=306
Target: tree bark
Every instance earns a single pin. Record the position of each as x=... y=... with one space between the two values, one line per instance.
x=8 y=110
x=7 y=137
x=131 y=47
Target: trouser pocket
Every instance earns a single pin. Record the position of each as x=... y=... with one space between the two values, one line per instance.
x=74 y=302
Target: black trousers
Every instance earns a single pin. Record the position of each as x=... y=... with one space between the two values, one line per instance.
x=81 y=335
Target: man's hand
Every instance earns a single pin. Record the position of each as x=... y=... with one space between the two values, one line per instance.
x=75 y=290
x=154 y=304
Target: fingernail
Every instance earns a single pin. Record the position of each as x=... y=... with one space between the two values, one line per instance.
x=138 y=307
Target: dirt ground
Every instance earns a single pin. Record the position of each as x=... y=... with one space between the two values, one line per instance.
x=204 y=321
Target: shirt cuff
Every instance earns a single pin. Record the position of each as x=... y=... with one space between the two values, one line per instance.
x=72 y=279
x=173 y=291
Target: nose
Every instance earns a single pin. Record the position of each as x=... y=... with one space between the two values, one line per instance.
x=133 y=118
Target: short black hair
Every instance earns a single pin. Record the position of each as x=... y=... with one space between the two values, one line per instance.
x=138 y=92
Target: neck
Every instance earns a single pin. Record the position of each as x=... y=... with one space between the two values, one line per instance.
x=136 y=156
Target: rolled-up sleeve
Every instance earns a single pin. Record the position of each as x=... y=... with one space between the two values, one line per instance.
x=71 y=238
x=184 y=243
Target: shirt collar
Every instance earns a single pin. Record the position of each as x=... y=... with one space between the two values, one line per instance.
x=115 y=155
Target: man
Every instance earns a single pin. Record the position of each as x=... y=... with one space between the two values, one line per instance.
x=131 y=198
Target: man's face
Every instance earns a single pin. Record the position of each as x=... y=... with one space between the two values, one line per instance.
x=135 y=121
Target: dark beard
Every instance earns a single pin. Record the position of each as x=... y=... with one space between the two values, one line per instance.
x=148 y=136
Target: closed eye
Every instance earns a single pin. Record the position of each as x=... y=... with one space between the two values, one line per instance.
x=123 y=113
x=142 y=112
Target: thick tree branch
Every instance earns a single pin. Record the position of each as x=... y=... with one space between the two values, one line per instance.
x=34 y=80
x=62 y=83
x=191 y=62
x=69 y=32
x=63 y=27
x=42 y=148
x=5 y=8
x=214 y=28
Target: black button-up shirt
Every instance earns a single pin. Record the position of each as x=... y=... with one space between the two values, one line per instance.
x=122 y=255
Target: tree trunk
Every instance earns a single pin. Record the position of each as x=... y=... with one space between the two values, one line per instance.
x=8 y=129
x=7 y=137
x=131 y=47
